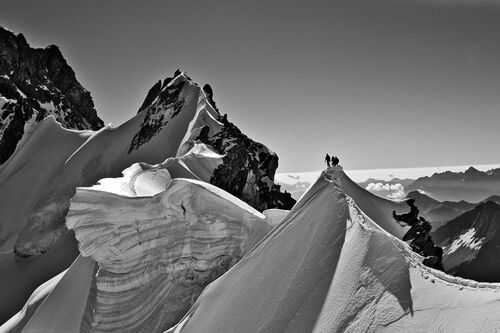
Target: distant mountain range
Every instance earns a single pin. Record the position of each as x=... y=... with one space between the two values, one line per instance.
x=471 y=243
x=437 y=211
x=472 y=185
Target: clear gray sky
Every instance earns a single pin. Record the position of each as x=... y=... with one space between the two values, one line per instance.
x=402 y=83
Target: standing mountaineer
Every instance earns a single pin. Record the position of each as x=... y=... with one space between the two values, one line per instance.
x=327 y=160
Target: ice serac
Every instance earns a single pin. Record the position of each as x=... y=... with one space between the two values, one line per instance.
x=328 y=267
x=156 y=253
x=36 y=83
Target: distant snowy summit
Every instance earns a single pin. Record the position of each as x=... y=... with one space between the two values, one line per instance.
x=36 y=83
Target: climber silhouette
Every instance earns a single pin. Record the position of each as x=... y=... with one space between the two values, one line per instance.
x=335 y=160
x=327 y=160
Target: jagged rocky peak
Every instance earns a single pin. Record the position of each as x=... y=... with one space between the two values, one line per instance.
x=35 y=83
x=248 y=167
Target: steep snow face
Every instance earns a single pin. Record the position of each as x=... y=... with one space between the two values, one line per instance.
x=65 y=296
x=327 y=267
x=36 y=83
x=377 y=208
x=157 y=253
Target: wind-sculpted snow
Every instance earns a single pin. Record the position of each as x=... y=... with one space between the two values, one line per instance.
x=143 y=179
x=327 y=267
x=157 y=253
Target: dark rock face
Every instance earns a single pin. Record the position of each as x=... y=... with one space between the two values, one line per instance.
x=210 y=94
x=247 y=165
x=166 y=97
x=419 y=236
x=35 y=83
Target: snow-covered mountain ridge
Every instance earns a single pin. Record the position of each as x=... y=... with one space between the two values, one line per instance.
x=348 y=275
x=178 y=128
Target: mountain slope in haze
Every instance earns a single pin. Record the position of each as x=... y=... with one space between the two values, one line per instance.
x=348 y=274
x=36 y=83
x=439 y=212
x=41 y=176
x=471 y=243
x=472 y=185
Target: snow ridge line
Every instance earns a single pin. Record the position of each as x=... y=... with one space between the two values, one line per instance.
x=415 y=260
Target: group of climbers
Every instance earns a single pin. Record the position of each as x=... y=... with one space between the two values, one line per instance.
x=331 y=161
x=419 y=236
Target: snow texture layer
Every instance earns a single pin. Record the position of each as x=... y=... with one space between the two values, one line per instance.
x=327 y=267
x=157 y=253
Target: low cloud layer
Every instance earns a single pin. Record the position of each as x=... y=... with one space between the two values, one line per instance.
x=391 y=191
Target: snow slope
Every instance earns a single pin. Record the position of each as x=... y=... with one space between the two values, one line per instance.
x=155 y=254
x=329 y=268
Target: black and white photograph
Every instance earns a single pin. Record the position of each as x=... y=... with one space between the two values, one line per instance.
x=234 y=166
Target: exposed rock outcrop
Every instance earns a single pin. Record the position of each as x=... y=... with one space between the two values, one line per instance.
x=419 y=236
x=36 y=83
x=248 y=167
